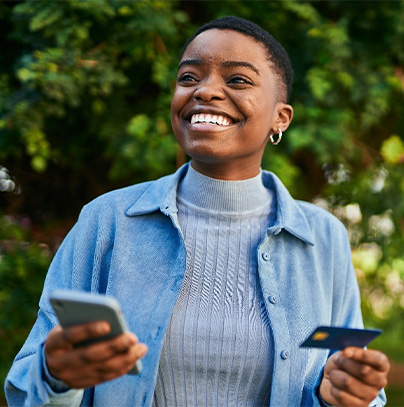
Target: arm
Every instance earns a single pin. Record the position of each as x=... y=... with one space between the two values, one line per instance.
x=73 y=267
x=26 y=383
x=355 y=376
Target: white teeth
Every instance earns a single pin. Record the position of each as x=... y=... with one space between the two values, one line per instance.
x=208 y=118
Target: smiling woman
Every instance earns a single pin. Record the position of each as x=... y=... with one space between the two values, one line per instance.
x=219 y=271
x=215 y=78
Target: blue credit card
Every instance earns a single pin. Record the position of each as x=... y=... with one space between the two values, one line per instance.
x=331 y=337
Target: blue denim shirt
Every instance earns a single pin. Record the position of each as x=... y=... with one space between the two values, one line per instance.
x=127 y=244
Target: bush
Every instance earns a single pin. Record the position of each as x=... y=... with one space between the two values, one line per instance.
x=23 y=265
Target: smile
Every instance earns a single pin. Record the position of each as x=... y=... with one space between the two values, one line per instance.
x=210 y=119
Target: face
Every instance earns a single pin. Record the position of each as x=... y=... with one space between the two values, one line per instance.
x=224 y=106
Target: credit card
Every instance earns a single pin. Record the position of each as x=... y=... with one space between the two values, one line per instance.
x=331 y=337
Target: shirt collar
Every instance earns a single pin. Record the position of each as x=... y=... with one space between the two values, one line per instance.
x=161 y=195
x=289 y=213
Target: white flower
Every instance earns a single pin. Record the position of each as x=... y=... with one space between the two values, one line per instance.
x=353 y=213
x=382 y=224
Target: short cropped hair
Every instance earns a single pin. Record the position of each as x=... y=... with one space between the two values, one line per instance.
x=278 y=56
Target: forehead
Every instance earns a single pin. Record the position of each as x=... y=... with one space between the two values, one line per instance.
x=216 y=45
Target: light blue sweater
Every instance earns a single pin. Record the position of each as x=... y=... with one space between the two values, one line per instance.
x=218 y=347
x=128 y=244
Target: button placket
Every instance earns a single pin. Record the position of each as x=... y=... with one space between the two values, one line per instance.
x=269 y=269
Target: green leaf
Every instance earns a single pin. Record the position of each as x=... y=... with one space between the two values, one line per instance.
x=39 y=163
x=393 y=150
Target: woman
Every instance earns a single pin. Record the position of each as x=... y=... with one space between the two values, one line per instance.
x=219 y=271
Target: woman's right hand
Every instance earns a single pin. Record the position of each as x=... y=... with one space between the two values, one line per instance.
x=87 y=366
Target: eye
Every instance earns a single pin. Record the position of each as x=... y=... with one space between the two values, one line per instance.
x=239 y=80
x=186 y=77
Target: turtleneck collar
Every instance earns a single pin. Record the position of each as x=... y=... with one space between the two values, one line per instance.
x=223 y=196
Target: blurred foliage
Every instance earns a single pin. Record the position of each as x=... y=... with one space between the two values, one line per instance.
x=85 y=89
x=371 y=206
x=23 y=265
x=85 y=80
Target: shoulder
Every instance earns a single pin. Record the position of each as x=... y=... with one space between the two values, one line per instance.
x=315 y=213
x=121 y=197
x=303 y=219
x=324 y=225
x=112 y=208
x=124 y=198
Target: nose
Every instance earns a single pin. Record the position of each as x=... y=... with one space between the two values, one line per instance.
x=209 y=89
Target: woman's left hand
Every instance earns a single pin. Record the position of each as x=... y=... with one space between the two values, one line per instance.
x=354 y=376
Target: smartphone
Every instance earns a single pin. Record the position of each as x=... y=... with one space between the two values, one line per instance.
x=76 y=307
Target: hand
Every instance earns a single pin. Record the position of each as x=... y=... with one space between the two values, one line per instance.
x=87 y=366
x=354 y=376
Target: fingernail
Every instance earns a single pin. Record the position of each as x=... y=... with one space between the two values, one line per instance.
x=348 y=353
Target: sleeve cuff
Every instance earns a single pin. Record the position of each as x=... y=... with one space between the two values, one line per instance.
x=317 y=399
x=323 y=403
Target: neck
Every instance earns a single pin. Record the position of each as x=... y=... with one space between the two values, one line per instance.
x=227 y=171
x=223 y=195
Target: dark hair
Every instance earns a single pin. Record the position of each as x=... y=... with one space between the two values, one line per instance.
x=276 y=53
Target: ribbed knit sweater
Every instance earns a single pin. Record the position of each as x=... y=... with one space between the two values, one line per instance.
x=218 y=346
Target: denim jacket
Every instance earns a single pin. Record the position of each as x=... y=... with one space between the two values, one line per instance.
x=127 y=244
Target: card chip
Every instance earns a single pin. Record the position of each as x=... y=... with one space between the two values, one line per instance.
x=320 y=336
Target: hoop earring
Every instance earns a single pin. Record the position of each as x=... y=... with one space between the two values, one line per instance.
x=278 y=140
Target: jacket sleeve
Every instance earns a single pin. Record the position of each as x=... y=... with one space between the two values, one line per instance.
x=26 y=383
x=346 y=311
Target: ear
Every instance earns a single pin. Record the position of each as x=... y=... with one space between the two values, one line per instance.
x=284 y=115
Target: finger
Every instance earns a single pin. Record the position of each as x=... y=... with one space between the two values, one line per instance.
x=92 y=374
x=343 y=398
x=67 y=337
x=346 y=383
x=121 y=363
x=363 y=372
x=103 y=358
x=332 y=362
x=105 y=350
x=54 y=339
x=374 y=358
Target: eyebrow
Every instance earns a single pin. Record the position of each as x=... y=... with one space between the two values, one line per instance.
x=225 y=64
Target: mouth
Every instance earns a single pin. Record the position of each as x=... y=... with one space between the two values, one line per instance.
x=213 y=119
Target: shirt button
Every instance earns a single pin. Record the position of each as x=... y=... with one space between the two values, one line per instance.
x=272 y=299
x=285 y=354
x=265 y=256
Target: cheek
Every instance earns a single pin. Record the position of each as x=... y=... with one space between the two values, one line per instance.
x=249 y=105
x=180 y=96
x=256 y=105
x=177 y=103
x=258 y=111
